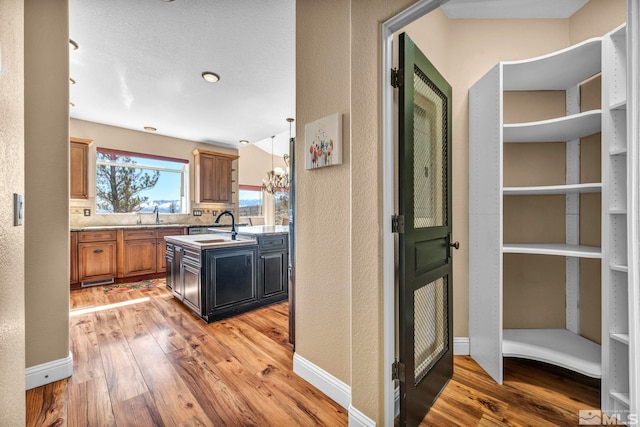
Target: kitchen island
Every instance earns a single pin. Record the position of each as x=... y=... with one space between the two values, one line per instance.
x=216 y=277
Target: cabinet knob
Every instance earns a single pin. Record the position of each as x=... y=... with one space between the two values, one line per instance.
x=455 y=245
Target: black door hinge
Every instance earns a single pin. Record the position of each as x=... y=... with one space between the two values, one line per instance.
x=397 y=223
x=397 y=77
x=397 y=371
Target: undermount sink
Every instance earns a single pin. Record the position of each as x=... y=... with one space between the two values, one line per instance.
x=212 y=241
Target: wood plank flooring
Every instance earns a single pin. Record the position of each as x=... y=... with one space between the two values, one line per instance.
x=152 y=363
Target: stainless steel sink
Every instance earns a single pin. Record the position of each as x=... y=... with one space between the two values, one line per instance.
x=212 y=241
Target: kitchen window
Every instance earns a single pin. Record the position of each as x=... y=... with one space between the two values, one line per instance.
x=136 y=182
x=250 y=200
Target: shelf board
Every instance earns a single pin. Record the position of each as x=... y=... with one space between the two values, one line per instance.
x=618 y=105
x=620 y=397
x=617 y=211
x=560 y=129
x=558 y=347
x=623 y=338
x=617 y=267
x=559 y=249
x=618 y=152
x=555 y=71
x=553 y=189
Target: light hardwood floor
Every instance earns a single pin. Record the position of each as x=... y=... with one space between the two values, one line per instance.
x=152 y=363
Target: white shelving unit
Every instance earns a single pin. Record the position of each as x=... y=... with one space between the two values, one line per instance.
x=618 y=308
x=562 y=70
x=616 y=360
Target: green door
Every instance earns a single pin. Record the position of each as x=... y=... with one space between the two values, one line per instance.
x=425 y=293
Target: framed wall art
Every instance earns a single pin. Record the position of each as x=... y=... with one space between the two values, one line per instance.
x=323 y=142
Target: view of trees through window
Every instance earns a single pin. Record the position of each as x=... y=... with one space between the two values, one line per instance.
x=126 y=182
x=282 y=206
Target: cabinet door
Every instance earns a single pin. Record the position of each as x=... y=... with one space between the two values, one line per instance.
x=231 y=277
x=161 y=255
x=176 y=273
x=73 y=258
x=139 y=257
x=192 y=287
x=169 y=257
x=273 y=274
x=78 y=186
x=222 y=176
x=97 y=261
x=207 y=178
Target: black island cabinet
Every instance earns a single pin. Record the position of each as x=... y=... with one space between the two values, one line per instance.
x=219 y=282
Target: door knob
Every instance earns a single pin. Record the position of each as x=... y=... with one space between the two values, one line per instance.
x=455 y=245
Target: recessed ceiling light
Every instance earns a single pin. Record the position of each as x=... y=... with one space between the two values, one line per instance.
x=73 y=45
x=72 y=81
x=150 y=128
x=210 y=77
x=244 y=142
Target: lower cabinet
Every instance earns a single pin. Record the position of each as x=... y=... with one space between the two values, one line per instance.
x=139 y=257
x=97 y=261
x=273 y=274
x=73 y=259
x=192 y=285
x=231 y=277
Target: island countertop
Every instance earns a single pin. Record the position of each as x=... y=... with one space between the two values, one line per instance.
x=209 y=241
x=257 y=230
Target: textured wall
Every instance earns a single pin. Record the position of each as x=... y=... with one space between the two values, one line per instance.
x=323 y=222
x=46 y=180
x=12 y=403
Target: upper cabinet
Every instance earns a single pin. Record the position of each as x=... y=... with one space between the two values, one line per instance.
x=78 y=167
x=213 y=177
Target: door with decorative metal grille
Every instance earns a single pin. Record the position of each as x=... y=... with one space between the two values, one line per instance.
x=425 y=292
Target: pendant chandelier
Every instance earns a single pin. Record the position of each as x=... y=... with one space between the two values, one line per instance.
x=277 y=178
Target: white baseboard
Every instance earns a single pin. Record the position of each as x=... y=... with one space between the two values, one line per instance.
x=358 y=419
x=337 y=390
x=49 y=372
x=461 y=346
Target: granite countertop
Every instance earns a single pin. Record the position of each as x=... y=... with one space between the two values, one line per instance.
x=209 y=241
x=145 y=226
x=259 y=230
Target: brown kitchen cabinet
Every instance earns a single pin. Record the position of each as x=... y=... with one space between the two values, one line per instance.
x=73 y=259
x=96 y=256
x=78 y=168
x=161 y=252
x=213 y=177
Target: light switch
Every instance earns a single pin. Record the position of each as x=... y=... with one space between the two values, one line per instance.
x=17 y=209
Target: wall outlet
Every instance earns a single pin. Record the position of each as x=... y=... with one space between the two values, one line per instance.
x=87 y=212
x=197 y=212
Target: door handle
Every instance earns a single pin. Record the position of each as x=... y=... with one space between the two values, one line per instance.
x=97 y=251
x=455 y=245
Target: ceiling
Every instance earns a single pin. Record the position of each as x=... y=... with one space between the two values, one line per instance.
x=140 y=63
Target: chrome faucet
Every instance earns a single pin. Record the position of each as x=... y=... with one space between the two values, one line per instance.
x=233 y=223
x=155 y=211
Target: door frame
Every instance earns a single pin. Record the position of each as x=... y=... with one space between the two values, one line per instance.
x=389 y=27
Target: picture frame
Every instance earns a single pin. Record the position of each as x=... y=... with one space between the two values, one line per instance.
x=323 y=142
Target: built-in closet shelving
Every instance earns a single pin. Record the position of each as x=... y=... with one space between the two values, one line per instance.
x=564 y=70
x=616 y=304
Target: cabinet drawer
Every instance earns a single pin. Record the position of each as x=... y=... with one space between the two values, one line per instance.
x=96 y=236
x=161 y=232
x=273 y=242
x=191 y=255
x=136 y=234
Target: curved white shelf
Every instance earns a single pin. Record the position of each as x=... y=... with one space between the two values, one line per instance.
x=559 y=249
x=553 y=189
x=621 y=397
x=560 y=129
x=619 y=105
x=555 y=71
x=558 y=347
x=620 y=268
x=623 y=338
